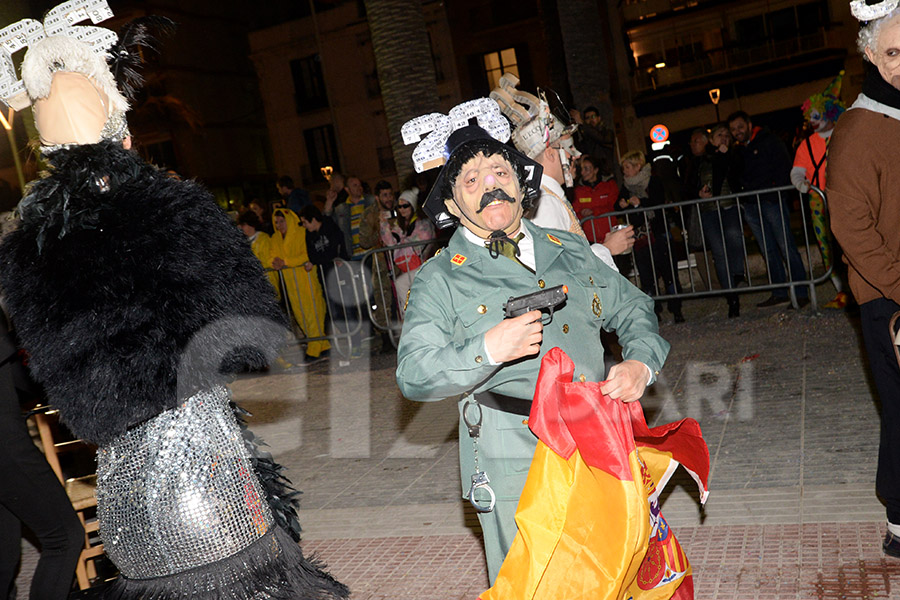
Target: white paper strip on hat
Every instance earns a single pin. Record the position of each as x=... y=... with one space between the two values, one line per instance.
x=431 y=152
x=486 y=112
x=870 y=12
x=59 y=20
x=509 y=83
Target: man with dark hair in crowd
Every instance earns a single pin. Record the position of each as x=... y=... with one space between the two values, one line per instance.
x=325 y=245
x=714 y=169
x=324 y=239
x=348 y=214
x=294 y=198
x=336 y=194
x=767 y=164
x=382 y=209
x=593 y=137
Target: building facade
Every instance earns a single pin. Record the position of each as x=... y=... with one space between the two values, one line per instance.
x=321 y=93
x=200 y=113
x=763 y=56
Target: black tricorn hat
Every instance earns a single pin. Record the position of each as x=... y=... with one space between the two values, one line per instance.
x=463 y=145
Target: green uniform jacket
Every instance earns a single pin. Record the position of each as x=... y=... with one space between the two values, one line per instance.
x=458 y=295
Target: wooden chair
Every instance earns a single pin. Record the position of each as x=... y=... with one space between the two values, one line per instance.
x=81 y=490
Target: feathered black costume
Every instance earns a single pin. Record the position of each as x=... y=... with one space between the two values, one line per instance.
x=114 y=269
x=133 y=292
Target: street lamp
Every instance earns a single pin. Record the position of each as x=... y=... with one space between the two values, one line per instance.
x=714 y=95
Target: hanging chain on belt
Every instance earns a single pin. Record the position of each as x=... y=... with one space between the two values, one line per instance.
x=480 y=479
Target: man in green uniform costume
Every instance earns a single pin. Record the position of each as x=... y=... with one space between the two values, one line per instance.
x=455 y=339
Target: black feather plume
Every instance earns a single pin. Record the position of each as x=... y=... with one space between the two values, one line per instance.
x=283 y=499
x=125 y=56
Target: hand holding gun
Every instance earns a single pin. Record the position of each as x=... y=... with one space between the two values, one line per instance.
x=547 y=299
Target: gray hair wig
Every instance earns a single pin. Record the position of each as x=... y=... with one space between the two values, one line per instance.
x=868 y=32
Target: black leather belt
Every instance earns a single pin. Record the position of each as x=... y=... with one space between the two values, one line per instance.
x=516 y=406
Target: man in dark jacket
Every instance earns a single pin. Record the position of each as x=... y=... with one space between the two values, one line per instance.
x=294 y=198
x=767 y=164
x=324 y=245
x=324 y=239
x=31 y=494
x=713 y=170
x=593 y=137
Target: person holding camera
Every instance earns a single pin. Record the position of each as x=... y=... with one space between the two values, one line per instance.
x=383 y=210
x=407 y=227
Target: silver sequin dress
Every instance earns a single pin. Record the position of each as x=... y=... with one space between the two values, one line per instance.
x=179 y=491
x=183 y=514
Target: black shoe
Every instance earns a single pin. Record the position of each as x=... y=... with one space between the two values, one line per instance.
x=311 y=360
x=387 y=346
x=734 y=307
x=773 y=301
x=679 y=318
x=891 y=545
x=802 y=302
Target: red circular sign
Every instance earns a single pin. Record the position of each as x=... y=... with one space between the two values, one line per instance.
x=659 y=133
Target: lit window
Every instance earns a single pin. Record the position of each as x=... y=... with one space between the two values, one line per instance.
x=498 y=63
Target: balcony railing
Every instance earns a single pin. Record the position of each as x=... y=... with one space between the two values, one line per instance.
x=636 y=10
x=723 y=60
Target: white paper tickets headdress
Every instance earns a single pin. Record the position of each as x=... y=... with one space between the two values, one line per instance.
x=870 y=12
x=59 y=22
x=431 y=151
x=450 y=137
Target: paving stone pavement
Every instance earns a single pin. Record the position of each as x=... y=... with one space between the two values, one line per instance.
x=785 y=406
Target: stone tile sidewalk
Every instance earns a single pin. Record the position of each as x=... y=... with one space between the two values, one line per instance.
x=785 y=406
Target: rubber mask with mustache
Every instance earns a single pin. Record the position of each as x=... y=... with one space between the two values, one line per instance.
x=486 y=196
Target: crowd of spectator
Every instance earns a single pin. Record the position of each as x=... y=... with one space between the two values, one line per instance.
x=718 y=163
x=309 y=246
x=313 y=251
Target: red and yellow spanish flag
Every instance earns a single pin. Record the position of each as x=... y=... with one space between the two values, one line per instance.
x=589 y=520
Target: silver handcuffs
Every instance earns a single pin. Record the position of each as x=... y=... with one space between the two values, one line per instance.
x=480 y=481
x=479 y=478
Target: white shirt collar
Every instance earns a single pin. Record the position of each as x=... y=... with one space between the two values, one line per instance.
x=552 y=186
x=526 y=244
x=480 y=241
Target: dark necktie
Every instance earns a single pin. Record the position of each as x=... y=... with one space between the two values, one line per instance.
x=508 y=249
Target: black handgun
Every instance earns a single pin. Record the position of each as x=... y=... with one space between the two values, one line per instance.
x=547 y=299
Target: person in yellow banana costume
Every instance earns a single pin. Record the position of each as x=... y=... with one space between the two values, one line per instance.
x=287 y=251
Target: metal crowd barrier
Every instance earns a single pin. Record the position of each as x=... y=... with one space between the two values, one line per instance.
x=687 y=256
x=340 y=307
x=356 y=292
x=380 y=284
x=365 y=289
